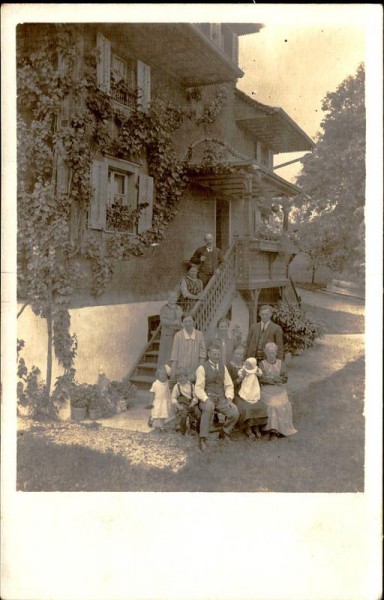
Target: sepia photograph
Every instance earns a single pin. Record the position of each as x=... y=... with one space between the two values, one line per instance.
x=190 y=258
x=162 y=225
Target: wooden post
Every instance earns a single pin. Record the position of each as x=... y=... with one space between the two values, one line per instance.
x=286 y=210
x=247 y=213
x=251 y=297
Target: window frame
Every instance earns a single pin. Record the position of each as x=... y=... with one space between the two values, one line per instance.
x=131 y=173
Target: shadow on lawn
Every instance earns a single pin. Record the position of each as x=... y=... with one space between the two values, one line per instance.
x=326 y=455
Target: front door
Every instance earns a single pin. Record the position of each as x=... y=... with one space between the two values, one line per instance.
x=222 y=224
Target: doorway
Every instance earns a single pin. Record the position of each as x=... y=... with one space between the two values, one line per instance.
x=222 y=224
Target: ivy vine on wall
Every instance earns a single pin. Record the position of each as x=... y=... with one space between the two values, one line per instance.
x=64 y=122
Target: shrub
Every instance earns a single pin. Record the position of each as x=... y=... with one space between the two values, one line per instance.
x=237 y=334
x=31 y=391
x=300 y=330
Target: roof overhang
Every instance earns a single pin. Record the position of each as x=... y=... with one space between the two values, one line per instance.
x=245 y=28
x=180 y=49
x=265 y=184
x=270 y=125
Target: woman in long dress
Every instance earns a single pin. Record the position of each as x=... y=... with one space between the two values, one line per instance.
x=274 y=394
x=191 y=288
x=170 y=319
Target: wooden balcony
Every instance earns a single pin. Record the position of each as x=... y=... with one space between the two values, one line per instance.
x=260 y=264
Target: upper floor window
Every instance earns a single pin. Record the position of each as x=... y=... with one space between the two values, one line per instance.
x=123 y=88
x=263 y=154
x=129 y=82
x=216 y=34
x=119 y=190
x=224 y=37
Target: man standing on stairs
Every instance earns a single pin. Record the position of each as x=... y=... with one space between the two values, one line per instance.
x=214 y=389
x=208 y=258
x=188 y=349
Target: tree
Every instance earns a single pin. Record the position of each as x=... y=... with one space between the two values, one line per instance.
x=331 y=217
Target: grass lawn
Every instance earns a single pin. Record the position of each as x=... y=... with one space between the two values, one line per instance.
x=326 y=455
x=336 y=321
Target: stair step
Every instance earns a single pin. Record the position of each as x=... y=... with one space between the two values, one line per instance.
x=152 y=354
x=142 y=381
x=147 y=365
x=146 y=368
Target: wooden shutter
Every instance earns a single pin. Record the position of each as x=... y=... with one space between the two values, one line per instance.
x=103 y=62
x=98 y=205
x=143 y=86
x=145 y=196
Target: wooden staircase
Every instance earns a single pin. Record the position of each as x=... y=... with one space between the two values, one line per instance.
x=215 y=303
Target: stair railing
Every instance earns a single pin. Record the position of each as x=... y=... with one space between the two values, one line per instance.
x=205 y=310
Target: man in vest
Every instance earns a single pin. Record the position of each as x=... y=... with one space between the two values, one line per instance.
x=208 y=259
x=263 y=332
x=214 y=389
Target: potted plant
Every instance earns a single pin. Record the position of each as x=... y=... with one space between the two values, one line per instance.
x=78 y=402
x=300 y=330
x=121 y=394
x=268 y=237
x=94 y=401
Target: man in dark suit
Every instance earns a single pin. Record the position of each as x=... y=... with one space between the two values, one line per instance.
x=263 y=332
x=208 y=258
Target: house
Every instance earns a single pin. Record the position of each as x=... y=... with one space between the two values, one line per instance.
x=227 y=142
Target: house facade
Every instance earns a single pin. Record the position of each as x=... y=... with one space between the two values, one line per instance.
x=228 y=144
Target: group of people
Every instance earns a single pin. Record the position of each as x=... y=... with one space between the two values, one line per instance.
x=223 y=386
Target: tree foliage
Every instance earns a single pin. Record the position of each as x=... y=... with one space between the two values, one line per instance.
x=333 y=177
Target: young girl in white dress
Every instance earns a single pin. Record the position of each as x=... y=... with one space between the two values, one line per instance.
x=274 y=394
x=161 y=412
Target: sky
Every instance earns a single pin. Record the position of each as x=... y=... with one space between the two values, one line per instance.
x=294 y=65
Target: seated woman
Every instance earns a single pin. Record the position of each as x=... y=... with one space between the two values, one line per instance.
x=191 y=288
x=274 y=395
x=252 y=412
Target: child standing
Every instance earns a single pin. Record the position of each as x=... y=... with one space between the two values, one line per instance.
x=185 y=402
x=252 y=412
x=161 y=400
x=274 y=395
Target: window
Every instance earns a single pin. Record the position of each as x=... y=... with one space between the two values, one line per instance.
x=123 y=88
x=263 y=155
x=217 y=34
x=129 y=82
x=119 y=190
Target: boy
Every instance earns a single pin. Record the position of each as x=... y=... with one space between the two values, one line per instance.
x=185 y=402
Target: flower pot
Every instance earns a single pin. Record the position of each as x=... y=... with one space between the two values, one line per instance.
x=78 y=414
x=93 y=413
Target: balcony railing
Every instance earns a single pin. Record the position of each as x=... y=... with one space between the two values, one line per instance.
x=124 y=96
x=259 y=264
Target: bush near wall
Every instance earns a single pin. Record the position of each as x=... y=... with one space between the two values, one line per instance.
x=300 y=330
